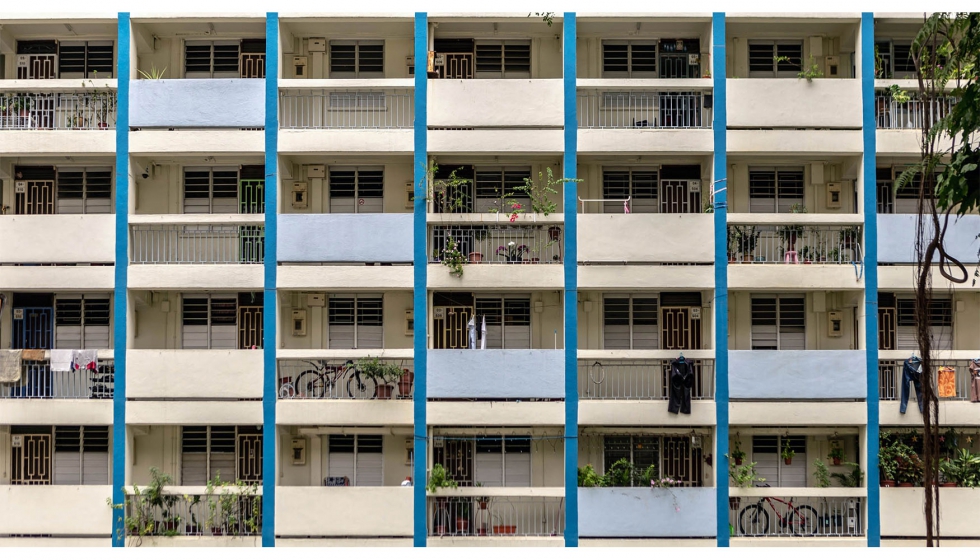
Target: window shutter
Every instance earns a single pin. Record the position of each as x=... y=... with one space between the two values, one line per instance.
x=764 y=316
x=71 y=191
x=224 y=189
x=197 y=191
x=68 y=323
x=646 y=334
x=340 y=457
x=765 y=453
x=194 y=456
x=517 y=461
x=67 y=455
x=370 y=322
x=369 y=460
x=343 y=190
x=615 y=59
x=616 y=323
x=222 y=453
x=792 y=318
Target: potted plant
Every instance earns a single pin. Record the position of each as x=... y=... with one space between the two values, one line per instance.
x=787 y=453
x=589 y=478
x=383 y=374
x=968 y=469
x=851 y=479
x=405 y=383
x=438 y=478
x=475 y=257
x=453 y=258
x=910 y=470
x=746 y=238
x=737 y=454
x=512 y=252
x=836 y=454
x=849 y=236
x=888 y=463
x=742 y=476
x=950 y=473
x=821 y=473
x=808 y=254
x=554 y=233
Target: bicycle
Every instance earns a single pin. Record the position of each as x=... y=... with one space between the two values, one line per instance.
x=802 y=520
x=324 y=378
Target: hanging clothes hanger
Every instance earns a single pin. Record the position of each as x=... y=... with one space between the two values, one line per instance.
x=681 y=359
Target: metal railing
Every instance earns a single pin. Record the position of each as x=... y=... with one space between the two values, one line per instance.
x=197 y=244
x=345 y=109
x=809 y=517
x=794 y=244
x=497 y=516
x=912 y=114
x=653 y=109
x=227 y=512
x=639 y=379
x=37 y=381
x=58 y=111
x=525 y=244
x=338 y=379
x=890 y=380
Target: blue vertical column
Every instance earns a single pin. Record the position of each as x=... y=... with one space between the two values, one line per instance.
x=570 y=204
x=269 y=304
x=870 y=197
x=720 y=188
x=420 y=299
x=120 y=292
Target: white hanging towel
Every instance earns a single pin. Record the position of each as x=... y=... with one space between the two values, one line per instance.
x=10 y=366
x=85 y=359
x=61 y=360
x=483 y=334
x=471 y=327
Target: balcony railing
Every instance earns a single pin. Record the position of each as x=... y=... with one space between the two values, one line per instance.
x=346 y=109
x=523 y=244
x=37 y=381
x=227 y=512
x=498 y=516
x=912 y=114
x=58 y=111
x=642 y=110
x=339 y=379
x=794 y=244
x=639 y=379
x=890 y=379
x=778 y=515
x=197 y=244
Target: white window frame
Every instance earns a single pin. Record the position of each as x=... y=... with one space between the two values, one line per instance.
x=211 y=73
x=81 y=454
x=503 y=299
x=357 y=73
x=630 y=73
x=82 y=298
x=354 y=479
x=208 y=454
x=648 y=206
x=357 y=297
x=799 y=460
x=86 y=208
x=211 y=183
x=775 y=72
x=481 y=203
x=631 y=296
x=210 y=320
x=779 y=298
x=357 y=170
x=941 y=335
x=504 y=73
x=779 y=173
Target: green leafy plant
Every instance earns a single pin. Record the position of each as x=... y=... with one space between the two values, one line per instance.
x=737 y=454
x=453 y=258
x=898 y=95
x=821 y=473
x=810 y=71
x=852 y=479
x=967 y=468
x=381 y=372
x=836 y=453
x=438 y=478
x=744 y=476
x=153 y=74
x=950 y=471
x=742 y=240
x=589 y=478
x=620 y=473
x=547 y=17
x=540 y=192
x=787 y=453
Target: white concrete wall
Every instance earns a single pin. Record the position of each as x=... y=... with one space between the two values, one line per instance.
x=795 y=142
x=56 y=510
x=901 y=512
x=787 y=102
x=21 y=143
x=344 y=512
x=646 y=238
x=194 y=374
x=58 y=238
x=496 y=103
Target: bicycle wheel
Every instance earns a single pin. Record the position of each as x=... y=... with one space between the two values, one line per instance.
x=310 y=385
x=359 y=387
x=804 y=521
x=753 y=520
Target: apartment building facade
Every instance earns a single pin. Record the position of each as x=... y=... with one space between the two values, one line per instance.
x=233 y=217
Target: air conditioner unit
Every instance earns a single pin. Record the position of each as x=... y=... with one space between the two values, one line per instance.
x=316 y=44
x=833 y=195
x=299 y=195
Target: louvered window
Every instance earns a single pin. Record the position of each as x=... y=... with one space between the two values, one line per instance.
x=357 y=59
x=766 y=453
x=895 y=60
x=673 y=456
x=233 y=452
x=775 y=59
x=503 y=59
x=355 y=321
x=357 y=190
x=508 y=320
x=359 y=458
x=629 y=322
x=82 y=321
x=212 y=59
x=211 y=190
x=493 y=183
x=85 y=59
x=940 y=324
x=778 y=322
x=85 y=190
x=81 y=455
x=503 y=461
x=638 y=184
x=209 y=321
x=775 y=190
x=629 y=59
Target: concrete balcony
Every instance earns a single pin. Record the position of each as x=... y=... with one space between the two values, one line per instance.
x=346 y=238
x=352 y=511
x=194 y=374
x=901 y=512
x=496 y=374
x=57 y=117
x=644 y=277
x=820 y=142
x=496 y=103
x=504 y=516
x=56 y=510
x=896 y=238
x=794 y=103
x=215 y=103
x=626 y=238
x=797 y=375
x=58 y=238
x=647 y=512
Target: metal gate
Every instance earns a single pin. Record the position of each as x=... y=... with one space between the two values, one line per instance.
x=886 y=328
x=458 y=66
x=250 y=457
x=676 y=198
x=251 y=248
x=33 y=328
x=34 y=197
x=252 y=65
x=681 y=328
x=37 y=66
x=249 y=326
x=251 y=196
x=31 y=459
x=681 y=461
x=457 y=457
x=450 y=328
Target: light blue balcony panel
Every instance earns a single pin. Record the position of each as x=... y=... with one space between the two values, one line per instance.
x=896 y=238
x=647 y=512
x=496 y=374
x=340 y=238
x=797 y=374
x=217 y=103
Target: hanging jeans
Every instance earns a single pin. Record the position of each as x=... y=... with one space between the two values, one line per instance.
x=681 y=381
x=911 y=375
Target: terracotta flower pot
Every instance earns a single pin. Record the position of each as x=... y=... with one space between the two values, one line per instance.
x=505 y=529
x=217 y=531
x=483 y=504
x=405 y=384
x=738 y=461
x=905 y=485
x=948 y=485
x=441 y=529
x=383 y=391
x=462 y=526
x=554 y=232
x=887 y=483
x=837 y=461
x=733 y=503
x=788 y=461
x=475 y=257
